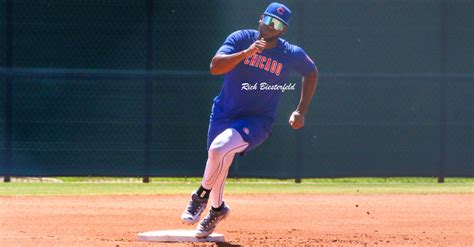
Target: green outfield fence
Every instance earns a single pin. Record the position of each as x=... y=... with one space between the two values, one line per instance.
x=121 y=88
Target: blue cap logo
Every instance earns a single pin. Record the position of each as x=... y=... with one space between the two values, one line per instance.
x=280 y=10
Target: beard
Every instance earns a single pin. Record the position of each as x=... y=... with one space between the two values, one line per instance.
x=266 y=35
x=270 y=39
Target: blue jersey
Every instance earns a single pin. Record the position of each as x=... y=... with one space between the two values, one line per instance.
x=254 y=86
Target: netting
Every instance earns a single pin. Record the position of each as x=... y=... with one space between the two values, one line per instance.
x=122 y=88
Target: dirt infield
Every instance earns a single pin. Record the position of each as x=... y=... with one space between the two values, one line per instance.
x=256 y=220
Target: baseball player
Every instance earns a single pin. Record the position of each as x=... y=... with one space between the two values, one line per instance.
x=256 y=65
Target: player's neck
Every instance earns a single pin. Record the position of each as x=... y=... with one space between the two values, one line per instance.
x=270 y=43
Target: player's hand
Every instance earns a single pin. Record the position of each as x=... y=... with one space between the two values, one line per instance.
x=296 y=120
x=257 y=47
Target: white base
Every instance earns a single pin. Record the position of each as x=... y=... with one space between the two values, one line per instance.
x=178 y=236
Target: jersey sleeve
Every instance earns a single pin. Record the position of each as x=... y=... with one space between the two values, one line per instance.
x=231 y=44
x=303 y=64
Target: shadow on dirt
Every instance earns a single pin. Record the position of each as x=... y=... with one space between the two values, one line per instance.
x=225 y=244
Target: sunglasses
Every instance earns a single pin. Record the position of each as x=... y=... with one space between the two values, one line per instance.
x=277 y=24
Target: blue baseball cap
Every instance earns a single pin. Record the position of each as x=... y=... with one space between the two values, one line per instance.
x=279 y=11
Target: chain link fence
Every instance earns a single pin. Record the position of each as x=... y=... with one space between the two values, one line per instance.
x=121 y=88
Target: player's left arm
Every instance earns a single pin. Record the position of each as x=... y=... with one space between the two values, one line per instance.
x=309 y=84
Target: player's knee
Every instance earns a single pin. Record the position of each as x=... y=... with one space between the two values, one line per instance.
x=216 y=152
x=229 y=141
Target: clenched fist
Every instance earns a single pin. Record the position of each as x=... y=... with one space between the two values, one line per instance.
x=256 y=47
x=296 y=120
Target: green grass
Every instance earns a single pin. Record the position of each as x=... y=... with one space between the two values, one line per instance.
x=265 y=180
x=354 y=186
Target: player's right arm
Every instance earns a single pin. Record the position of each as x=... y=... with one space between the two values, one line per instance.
x=222 y=63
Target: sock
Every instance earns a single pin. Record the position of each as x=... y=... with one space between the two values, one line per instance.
x=219 y=208
x=203 y=193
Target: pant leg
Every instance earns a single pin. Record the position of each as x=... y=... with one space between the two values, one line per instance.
x=221 y=153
